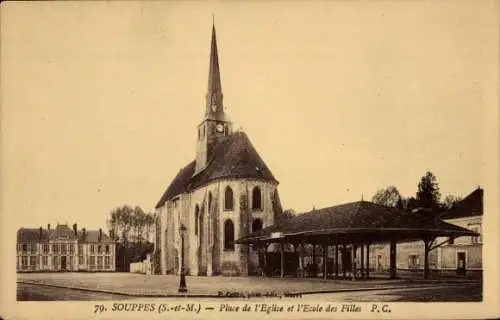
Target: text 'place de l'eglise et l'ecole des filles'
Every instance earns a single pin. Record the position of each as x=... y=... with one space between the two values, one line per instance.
x=227 y=201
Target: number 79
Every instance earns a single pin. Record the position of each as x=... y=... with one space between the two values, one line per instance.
x=99 y=308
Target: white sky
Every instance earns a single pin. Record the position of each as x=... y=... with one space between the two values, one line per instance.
x=100 y=100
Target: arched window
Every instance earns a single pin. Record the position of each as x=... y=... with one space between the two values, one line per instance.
x=228 y=199
x=256 y=199
x=228 y=235
x=256 y=225
x=209 y=201
x=196 y=218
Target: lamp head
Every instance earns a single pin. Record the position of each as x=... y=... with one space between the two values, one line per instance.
x=182 y=228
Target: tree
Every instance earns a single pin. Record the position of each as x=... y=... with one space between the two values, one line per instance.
x=389 y=197
x=411 y=203
x=428 y=191
x=288 y=214
x=450 y=200
x=128 y=224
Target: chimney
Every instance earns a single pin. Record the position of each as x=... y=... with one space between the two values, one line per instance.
x=48 y=226
x=100 y=234
x=40 y=232
x=75 y=228
x=84 y=233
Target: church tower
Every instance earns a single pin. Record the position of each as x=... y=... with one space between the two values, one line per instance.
x=216 y=124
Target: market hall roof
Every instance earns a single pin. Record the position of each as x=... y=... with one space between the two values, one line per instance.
x=360 y=220
x=233 y=157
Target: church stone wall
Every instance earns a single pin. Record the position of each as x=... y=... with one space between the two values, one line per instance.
x=204 y=252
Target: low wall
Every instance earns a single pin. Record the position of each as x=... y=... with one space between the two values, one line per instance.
x=143 y=267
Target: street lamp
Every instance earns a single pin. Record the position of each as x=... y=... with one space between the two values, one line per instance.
x=182 y=284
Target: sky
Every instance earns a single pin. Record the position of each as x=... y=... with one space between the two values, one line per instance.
x=101 y=100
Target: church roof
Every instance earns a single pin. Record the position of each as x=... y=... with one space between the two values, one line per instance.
x=233 y=157
x=472 y=205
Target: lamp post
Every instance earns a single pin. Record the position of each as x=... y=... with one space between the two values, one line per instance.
x=182 y=284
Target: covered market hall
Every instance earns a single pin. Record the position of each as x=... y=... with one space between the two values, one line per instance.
x=347 y=230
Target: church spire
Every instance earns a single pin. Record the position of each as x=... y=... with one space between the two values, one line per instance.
x=214 y=91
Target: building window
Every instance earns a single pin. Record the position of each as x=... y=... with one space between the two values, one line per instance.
x=80 y=248
x=92 y=260
x=209 y=201
x=99 y=262
x=45 y=248
x=107 y=262
x=256 y=225
x=33 y=247
x=55 y=248
x=70 y=262
x=107 y=249
x=25 y=247
x=196 y=219
x=451 y=240
x=91 y=248
x=228 y=235
x=63 y=248
x=24 y=262
x=413 y=261
x=228 y=198
x=45 y=260
x=99 y=249
x=256 y=199
x=71 y=248
x=32 y=260
x=80 y=260
x=55 y=261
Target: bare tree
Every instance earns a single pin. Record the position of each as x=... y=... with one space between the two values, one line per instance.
x=389 y=197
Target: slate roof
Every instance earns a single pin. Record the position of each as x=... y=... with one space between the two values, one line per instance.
x=359 y=218
x=44 y=235
x=93 y=236
x=32 y=235
x=472 y=205
x=233 y=157
x=62 y=231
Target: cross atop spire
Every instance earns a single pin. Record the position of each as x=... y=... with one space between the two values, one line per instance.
x=214 y=91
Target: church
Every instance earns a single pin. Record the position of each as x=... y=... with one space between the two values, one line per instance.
x=225 y=193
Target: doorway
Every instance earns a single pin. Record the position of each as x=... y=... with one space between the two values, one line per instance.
x=461 y=263
x=63 y=262
x=347 y=260
x=379 y=262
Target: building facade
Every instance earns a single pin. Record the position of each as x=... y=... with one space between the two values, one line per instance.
x=64 y=249
x=225 y=193
x=461 y=254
